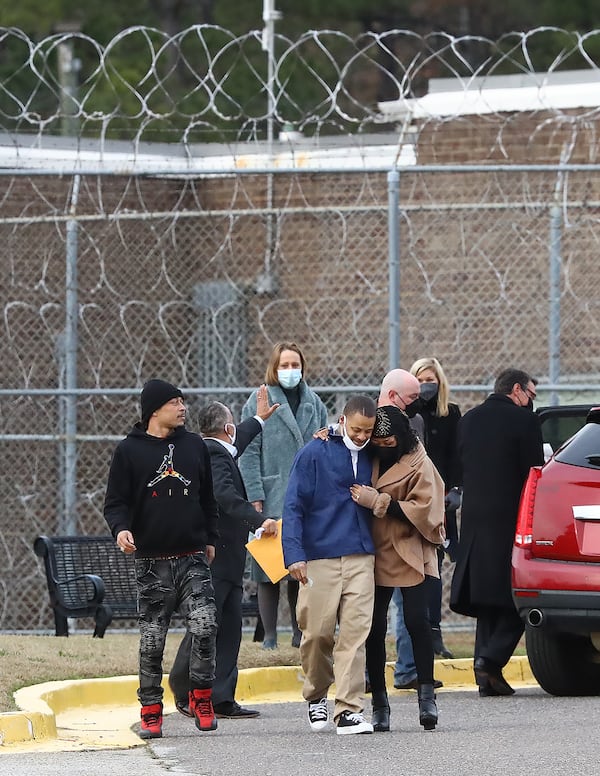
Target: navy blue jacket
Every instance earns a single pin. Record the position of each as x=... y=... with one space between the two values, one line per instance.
x=320 y=519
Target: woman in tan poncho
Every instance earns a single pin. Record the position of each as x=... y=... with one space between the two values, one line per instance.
x=407 y=499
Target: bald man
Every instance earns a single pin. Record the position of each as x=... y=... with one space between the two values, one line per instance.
x=400 y=389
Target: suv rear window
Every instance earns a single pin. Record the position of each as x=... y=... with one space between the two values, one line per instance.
x=561 y=423
x=584 y=449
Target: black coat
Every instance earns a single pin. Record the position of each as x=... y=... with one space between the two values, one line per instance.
x=237 y=516
x=441 y=440
x=498 y=442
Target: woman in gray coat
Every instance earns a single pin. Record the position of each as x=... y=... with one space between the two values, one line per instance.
x=267 y=462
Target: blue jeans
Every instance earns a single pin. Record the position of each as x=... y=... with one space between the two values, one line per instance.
x=165 y=586
x=405 y=669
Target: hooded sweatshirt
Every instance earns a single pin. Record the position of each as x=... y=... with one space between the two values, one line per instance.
x=161 y=490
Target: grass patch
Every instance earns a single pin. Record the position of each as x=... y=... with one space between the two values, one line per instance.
x=26 y=659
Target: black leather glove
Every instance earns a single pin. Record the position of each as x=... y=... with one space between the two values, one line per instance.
x=453 y=500
x=451 y=549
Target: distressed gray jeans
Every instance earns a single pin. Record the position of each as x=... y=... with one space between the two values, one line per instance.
x=165 y=586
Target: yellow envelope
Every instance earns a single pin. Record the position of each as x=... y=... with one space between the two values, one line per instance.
x=268 y=553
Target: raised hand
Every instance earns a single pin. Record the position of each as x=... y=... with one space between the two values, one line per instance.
x=264 y=410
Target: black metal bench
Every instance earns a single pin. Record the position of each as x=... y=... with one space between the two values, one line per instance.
x=89 y=576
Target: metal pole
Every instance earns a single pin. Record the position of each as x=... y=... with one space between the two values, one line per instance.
x=61 y=409
x=71 y=318
x=393 y=178
x=266 y=283
x=68 y=78
x=270 y=16
x=554 y=300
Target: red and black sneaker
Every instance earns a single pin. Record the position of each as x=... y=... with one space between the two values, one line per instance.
x=202 y=708
x=152 y=717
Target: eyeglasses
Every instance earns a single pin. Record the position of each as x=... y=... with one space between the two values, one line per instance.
x=529 y=393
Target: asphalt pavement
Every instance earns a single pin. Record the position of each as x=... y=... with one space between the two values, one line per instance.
x=90 y=727
x=529 y=733
x=83 y=714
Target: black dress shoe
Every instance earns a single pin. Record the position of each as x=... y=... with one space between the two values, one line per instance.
x=183 y=707
x=487 y=691
x=489 y=677
x=233 y=710
x=414 y=685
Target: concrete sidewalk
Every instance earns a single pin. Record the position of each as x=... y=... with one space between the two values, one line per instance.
x=100 y=713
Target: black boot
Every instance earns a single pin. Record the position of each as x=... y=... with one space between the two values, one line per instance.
x=438 y=644
x=381 y=712
x=428 y=713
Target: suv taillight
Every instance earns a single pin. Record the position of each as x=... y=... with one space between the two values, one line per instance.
x=524 y=532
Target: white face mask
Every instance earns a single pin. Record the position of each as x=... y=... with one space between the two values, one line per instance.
x=348 y=442
x=289 y=378
x=231 y=436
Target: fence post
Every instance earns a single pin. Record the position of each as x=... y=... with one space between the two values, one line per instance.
x=71 y=344
x=393 y=178
x=554 y=300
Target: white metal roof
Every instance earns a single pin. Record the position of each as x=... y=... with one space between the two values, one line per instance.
x=68 y=155
x=499 y=94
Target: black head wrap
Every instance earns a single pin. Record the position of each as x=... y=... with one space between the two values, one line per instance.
x=391 y=421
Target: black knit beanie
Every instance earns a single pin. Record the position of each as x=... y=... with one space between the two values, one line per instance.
x=155 y=393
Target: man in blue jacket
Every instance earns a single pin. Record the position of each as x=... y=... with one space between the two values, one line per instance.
x=327 y=547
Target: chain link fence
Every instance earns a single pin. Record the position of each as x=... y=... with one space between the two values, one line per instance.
x=165 y=287
x=113 y=276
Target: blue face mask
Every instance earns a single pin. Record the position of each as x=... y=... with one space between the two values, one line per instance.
x=289 y=378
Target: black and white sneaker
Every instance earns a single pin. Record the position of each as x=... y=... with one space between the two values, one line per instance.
x=350 y=722
x=318 y=715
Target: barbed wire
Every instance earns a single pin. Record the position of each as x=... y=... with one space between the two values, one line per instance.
x=205 y=82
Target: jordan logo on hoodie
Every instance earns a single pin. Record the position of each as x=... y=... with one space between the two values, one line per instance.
x=166 y=469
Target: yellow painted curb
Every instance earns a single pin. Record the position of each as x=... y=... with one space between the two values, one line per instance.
x=74 y=712
x=459 y=673
x=279 y=684
x=16 y=726
x=74 y=715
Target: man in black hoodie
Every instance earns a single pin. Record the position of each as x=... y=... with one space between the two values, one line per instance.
x=160 y=505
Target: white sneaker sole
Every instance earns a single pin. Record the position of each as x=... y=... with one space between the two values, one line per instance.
x=364 y=727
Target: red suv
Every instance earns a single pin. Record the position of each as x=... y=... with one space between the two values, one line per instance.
x=556 y=557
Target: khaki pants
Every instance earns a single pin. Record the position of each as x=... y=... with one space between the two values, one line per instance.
x=342 y=592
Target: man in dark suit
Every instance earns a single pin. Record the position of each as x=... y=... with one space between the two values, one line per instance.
x=226 y=442
x=498 y=442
